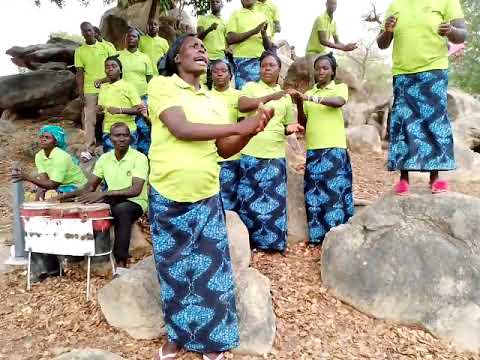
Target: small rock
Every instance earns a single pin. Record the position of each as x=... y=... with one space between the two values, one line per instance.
x=89 y=354
x=364 y=139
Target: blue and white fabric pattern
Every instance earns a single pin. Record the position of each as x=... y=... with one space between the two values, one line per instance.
x=229 y=180
x=191 y=251
x=144 y=131
x=246 y=70
x=421 y=136
x=328 y=191
x=263 y=202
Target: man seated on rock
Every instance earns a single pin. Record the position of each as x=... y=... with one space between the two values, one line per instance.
x=89 y=62
x=100 y=39
x=124 y=171
x=153 y=45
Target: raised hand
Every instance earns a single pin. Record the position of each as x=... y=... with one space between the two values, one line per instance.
x=294 y=128
x=350 y=47
x=445 y=29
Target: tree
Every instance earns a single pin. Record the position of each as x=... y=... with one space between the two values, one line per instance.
x=466 y=71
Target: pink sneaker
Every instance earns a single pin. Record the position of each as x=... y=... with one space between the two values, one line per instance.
x=402 y=188
x=439 y=186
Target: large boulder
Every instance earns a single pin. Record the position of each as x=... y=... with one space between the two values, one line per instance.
x=460 y=103
x=88 y=354
x=364 y=139
x=239 y=242
x=132 y=303
x=37 y=89
x=413 y=260
x=257 y=321
x=56 y=50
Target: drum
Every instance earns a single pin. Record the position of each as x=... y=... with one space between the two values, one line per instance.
x=35 y=208
x=100 y=215
x=65 y=211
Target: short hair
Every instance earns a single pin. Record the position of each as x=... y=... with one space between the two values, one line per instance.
x=119 y=125
x=117 y=60
x=273 y=54
x=85 y=23
x=169 y=67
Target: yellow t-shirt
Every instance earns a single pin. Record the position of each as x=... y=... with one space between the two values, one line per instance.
x=230 y=98
x=269 y=144
x=417 y=46
x=60 y=168
x=155 y=48
x=323 y=23
x=109 y=45
x=119 y=175
x=215 y=40
x=242 y=21
x=270 y=10
x=325 y=125
x=91 y=58
x=136 y=67
x=120 y=94
x=183 y=171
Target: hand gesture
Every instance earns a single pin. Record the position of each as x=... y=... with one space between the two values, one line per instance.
x=390 y=23
x=99 y=109
x=294 y=94
x=261 y=27
x=213 y=27
x=17 y=174
x=90 y=198
x=97 y=83
x=257 y=123
x=113 y=110
x=350 y=47
x=294 y=128
x=278 y=95
x=445 y=29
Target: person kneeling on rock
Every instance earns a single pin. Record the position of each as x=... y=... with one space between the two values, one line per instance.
x=124 y=171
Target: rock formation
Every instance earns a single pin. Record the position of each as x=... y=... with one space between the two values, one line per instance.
x=412 y=260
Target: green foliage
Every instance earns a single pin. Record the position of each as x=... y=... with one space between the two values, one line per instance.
x=466 y=71
x=67 y=36
x=61 y=3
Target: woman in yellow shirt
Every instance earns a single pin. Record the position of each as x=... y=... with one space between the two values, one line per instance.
x=328 y=173
x=420 y=133
x=118 y=101
x=190 y=129
x=262 y=190
x=222 y=74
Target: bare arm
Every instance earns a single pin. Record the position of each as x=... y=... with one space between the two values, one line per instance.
x=134 y=190
x=267 y=43
x=92 y=185
x=322 y=35
x=229 y=146
x=202 y=33
x=42 y=180
x=455 y=31
x=247 y=104
x=235 y=38
x=385 y=37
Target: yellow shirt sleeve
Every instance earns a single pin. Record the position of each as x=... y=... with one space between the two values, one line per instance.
x=140 y=168
x=59 y=168
x=78 y=62
x=275 y=13
x=39 y=164
x=202 y=23
x=232 y=25
x=148 y=66
x=453 y=10
x=342 y=91
x=132 y=94
x=98 y=169
x=289 y=115
x=161 y=96
x=321 y=24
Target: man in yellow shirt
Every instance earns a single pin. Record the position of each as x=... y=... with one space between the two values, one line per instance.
x=247 y=33
x=137 y=70
x=320 y=41
x=270 y=10
x=89 y=62
x=153 y=45
x=125 y=171
x=100 y=39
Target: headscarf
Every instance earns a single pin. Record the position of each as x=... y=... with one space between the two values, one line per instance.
x=58 y=134
x=331 y=59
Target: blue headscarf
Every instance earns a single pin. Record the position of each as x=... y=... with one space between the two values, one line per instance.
x=58 y=133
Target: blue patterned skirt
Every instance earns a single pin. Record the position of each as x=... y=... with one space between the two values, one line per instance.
x=420 y=132
x=262 y=193
x=328 y=191
x=192 y=257
x=246 y=70
x=144 y=131
x=229 y=180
